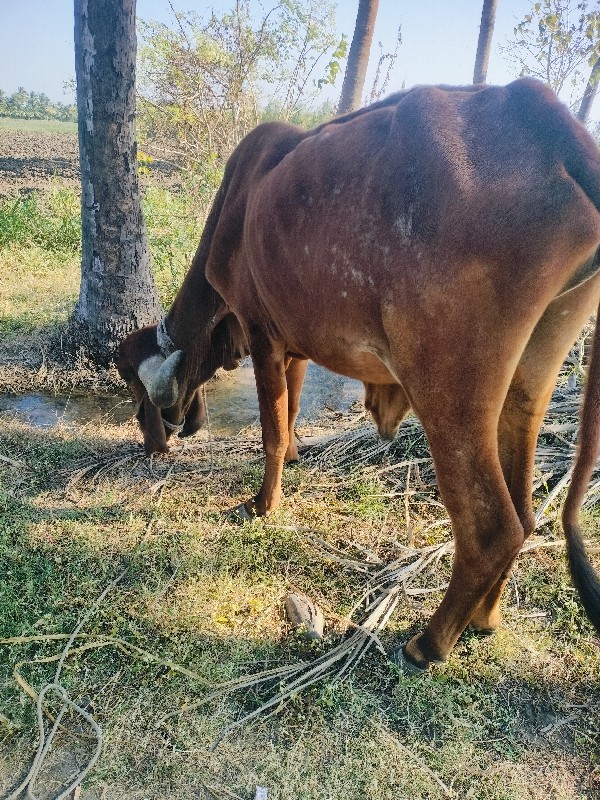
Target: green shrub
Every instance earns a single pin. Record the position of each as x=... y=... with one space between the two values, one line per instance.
x=53 y=222
x=174 y=223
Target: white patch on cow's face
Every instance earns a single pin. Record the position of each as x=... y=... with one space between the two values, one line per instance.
x=306 y=250
x=565 y=312
x=344 y=294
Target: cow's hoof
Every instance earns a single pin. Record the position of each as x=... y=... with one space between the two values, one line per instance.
x=483 y=632
x=406 y=665
x=240 y=514
x=305 y=616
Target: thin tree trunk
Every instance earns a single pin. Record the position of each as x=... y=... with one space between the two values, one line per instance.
x=590 y=93
x=358 y=58
x=117 y=291
x=484 y=43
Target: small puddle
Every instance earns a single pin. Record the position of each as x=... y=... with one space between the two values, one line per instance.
x=231 y=400
x=48 y=411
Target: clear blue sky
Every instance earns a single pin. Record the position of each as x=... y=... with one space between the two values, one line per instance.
x=439 y=38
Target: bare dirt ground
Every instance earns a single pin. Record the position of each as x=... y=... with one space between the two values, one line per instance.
x=40 y=161
x=31 y=161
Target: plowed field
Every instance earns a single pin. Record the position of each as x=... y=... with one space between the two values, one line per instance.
x=37 y=161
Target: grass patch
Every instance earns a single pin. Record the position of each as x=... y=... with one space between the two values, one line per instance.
x=51 y=222
x=37 y=125
x=174 y=223
x=40 y=242
x=513 y=717
x=38 y=288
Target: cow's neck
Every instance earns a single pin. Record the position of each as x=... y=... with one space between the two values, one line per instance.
x=192 y=316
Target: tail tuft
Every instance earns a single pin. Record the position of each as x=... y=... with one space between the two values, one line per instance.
x=583 y=574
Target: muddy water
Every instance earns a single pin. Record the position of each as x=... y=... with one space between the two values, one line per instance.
x=232 y=402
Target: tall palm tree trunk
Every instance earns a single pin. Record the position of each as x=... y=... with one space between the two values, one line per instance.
x=484 y=43
x=117 y=291
x=590 y=93
x=358 y=58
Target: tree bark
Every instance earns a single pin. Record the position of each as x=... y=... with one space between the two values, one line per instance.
x=484 y=43
x=590 y=93
x=117 y=292
x=358 y=58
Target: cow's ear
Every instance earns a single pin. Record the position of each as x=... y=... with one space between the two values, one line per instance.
x=195 y=416
x=150 y=419
x=235 y=348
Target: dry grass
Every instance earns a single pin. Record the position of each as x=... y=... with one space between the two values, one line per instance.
x=511 y=717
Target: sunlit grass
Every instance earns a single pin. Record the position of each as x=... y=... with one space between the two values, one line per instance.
x=37 y=288
x=511 y=717
x=40 y=261
x=37 y=125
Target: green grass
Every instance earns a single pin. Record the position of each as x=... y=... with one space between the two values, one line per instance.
x=40 y=243
x=38 y=289
x=174 y=223
x=37 y=125
x=512 y=717
x=52 y=222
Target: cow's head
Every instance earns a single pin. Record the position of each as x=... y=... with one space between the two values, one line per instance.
x=388 y=405
x=168 y=385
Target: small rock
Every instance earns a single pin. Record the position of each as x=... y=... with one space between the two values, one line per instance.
x=306 y=616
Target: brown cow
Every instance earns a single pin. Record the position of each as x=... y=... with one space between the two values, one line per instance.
x=440 y=246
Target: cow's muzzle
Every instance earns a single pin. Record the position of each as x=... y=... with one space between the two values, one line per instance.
x=159 y=376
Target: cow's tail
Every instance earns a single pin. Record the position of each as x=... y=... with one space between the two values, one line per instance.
x=584 y=576
x=582 y=162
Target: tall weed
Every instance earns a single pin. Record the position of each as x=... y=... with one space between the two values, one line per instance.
x=51 y=222
x=174 y=224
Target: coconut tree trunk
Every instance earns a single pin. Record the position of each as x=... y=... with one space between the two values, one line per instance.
x=358 y=58
x=117 y=291
x=590 y=93
x=484 y=43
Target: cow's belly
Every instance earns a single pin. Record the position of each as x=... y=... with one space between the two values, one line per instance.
x=360 y=365
x=342 y=333
x=324 y=291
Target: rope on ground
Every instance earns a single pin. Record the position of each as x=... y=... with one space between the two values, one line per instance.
x=46 y=739
x=46 y=742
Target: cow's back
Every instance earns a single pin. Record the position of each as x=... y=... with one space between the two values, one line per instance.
x=403 y=203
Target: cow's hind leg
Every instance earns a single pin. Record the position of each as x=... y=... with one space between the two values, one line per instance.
x=518 y=430
x=487 y=530
x=524 y=410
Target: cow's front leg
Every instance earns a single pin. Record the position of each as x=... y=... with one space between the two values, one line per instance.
x=294 y=376
x=269 y=370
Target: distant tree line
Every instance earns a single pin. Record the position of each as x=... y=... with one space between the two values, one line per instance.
x=35 y=105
